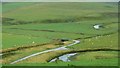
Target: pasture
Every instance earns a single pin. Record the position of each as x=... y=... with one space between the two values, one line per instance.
x=36 y=27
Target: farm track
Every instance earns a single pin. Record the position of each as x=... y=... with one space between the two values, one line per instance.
x=88 y=50
x=55 y=49
x=20 y=48
x=64 y=47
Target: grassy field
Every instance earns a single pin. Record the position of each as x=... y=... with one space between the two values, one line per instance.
x=7 y=7
x=22 y=40
x=85 y=44
x=60 y=11
x=32 y=24
x=109 y=41
x=81 y=59
x=98 y=62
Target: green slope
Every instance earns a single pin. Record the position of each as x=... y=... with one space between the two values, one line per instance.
x=40 y=12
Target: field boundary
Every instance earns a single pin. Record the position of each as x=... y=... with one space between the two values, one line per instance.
x=85 y=50
x=20 y=48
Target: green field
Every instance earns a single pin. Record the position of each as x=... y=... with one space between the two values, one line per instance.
x=29 y=25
